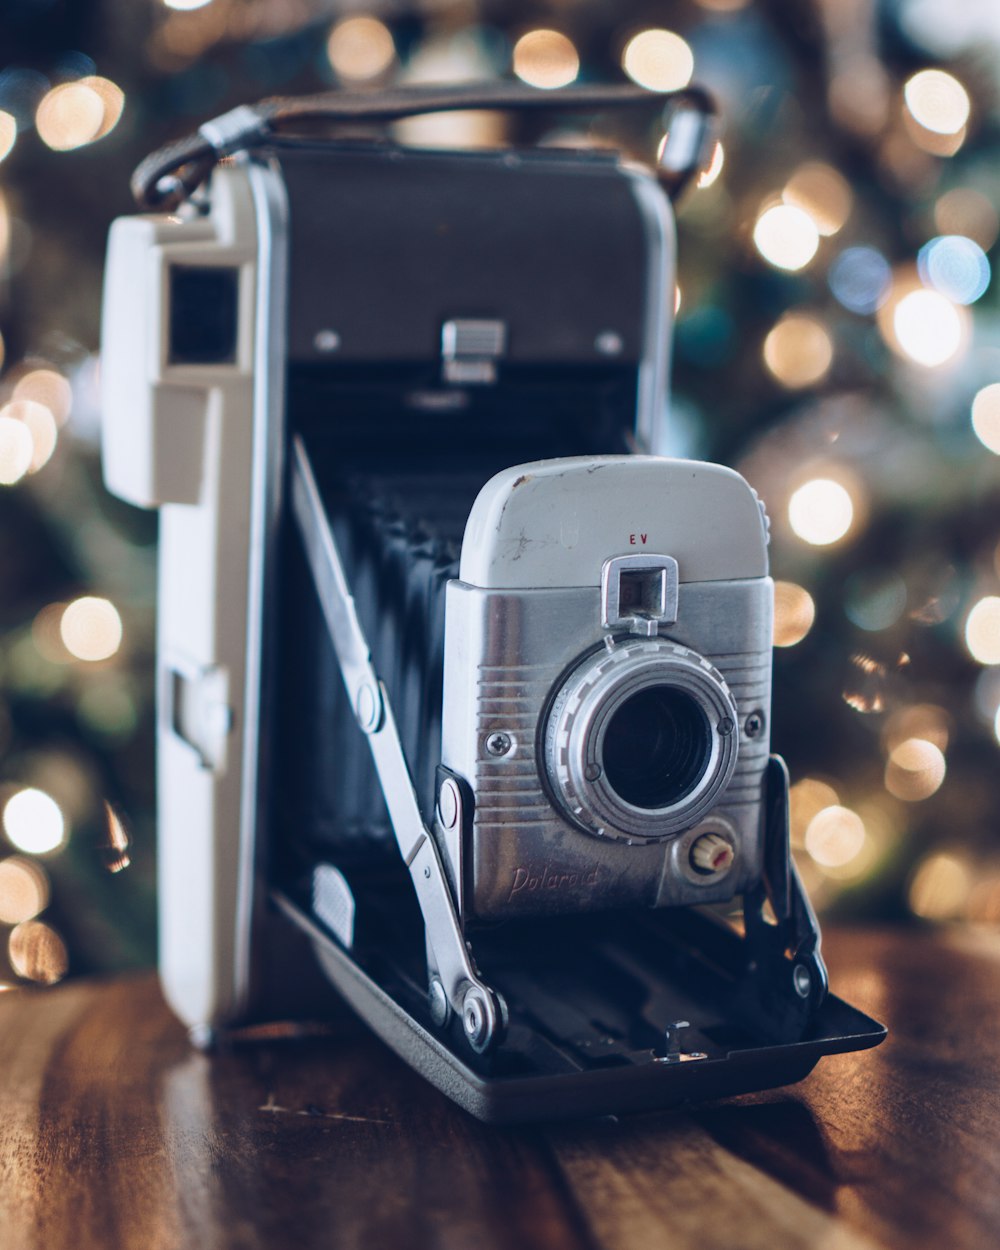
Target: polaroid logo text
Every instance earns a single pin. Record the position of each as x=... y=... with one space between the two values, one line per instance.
x=547 y=879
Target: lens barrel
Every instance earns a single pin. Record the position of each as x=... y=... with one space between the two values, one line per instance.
x=641 y=740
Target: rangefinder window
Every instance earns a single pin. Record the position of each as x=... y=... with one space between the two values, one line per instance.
x=203 y=315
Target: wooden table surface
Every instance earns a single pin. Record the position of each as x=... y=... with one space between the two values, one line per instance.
x=114 y=1133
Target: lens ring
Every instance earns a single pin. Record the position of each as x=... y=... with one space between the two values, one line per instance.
x=593 y=699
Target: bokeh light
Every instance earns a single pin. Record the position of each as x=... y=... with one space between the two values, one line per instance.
x=545 y=58
x=710 y=174
x=835 y=836
x=41 y=425
x=821 y=511
x=37 y=953
x=874 y=600
x=45 y=386
x=798 y=351
x=186 y=6
x=915 y=770
x=786 y=237
x=658 y=59
x=966 y=211
x=937 y=101
x=986 y=416
x=115 y=850
x=794 y=613
x=112 y=98
x=940 y=887
x=24 y=889
x=860 y=279
x=360 y=49
x=819 y=190
x=8 y=133
x=33 y=821
x=955 y=266
x=982 y=630
x=16 y=450
x=922 y=720
x=91 y=628
x=806 y=799
x=69 y=116
x=929 y=329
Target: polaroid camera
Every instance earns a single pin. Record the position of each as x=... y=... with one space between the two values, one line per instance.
x=464 y=695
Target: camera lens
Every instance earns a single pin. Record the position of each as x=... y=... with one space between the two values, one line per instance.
x=641 y=740
x=657 y=746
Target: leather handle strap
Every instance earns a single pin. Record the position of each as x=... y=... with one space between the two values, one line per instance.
x=168 y=176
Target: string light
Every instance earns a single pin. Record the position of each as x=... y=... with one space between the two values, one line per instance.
x=33 y=821
x=794 y=613
x=798 y=351
x=821 y=512
x=91 y=628
x=37 y=952
x=955 y=266
x=45 y=386
x=546 y=58
x=16 y=450
x=24 y=890
x=937 y=101
x=819 y=190
x=940 y=887
x=986 y=417
x=806 y=799
x=709 y=176
x=360 y=48
x=786 y=237
x=966 y=211
x=658 y=59
x=41 y=425
x=8 y=133
x=929 y=329
x=69 y=116
x=112 y=99
x=835 y=836
x=982 y=631
x=915 y=770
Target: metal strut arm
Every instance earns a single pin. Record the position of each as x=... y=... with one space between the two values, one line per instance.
x=479 y=1007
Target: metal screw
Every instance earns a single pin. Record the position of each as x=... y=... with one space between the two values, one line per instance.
x=449 y=803
x=592 y=772
x=499 y=743
x=673 y=1045
x=609 y=343
x=474 y=1019
x=754 y=724
x=326 y=341
x=726 y=726
x=437 y=1001
x=802 y=980
x=368 y=709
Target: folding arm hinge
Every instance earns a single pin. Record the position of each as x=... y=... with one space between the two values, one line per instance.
x=785 y=980
x=455 y=984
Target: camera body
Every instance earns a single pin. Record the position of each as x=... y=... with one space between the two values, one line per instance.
x=607 y=679
x=406 y=316
x=463 y=691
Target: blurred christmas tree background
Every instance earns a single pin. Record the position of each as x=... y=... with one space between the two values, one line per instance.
x=836 y=340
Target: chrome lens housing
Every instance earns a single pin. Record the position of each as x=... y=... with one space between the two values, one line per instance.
x=641 y=740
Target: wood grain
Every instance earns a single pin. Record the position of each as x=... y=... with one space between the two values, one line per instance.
x=114 y=1133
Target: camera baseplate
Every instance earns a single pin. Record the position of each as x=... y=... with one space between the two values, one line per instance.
x=595 y=1013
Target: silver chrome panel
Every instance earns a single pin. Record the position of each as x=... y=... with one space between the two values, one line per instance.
x=271 y=205
x=524 y=858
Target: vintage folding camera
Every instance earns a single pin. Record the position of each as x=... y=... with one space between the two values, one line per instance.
x=464 y=693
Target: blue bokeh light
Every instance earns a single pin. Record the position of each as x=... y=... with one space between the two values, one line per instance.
x=860 y=279
x=955 y=266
